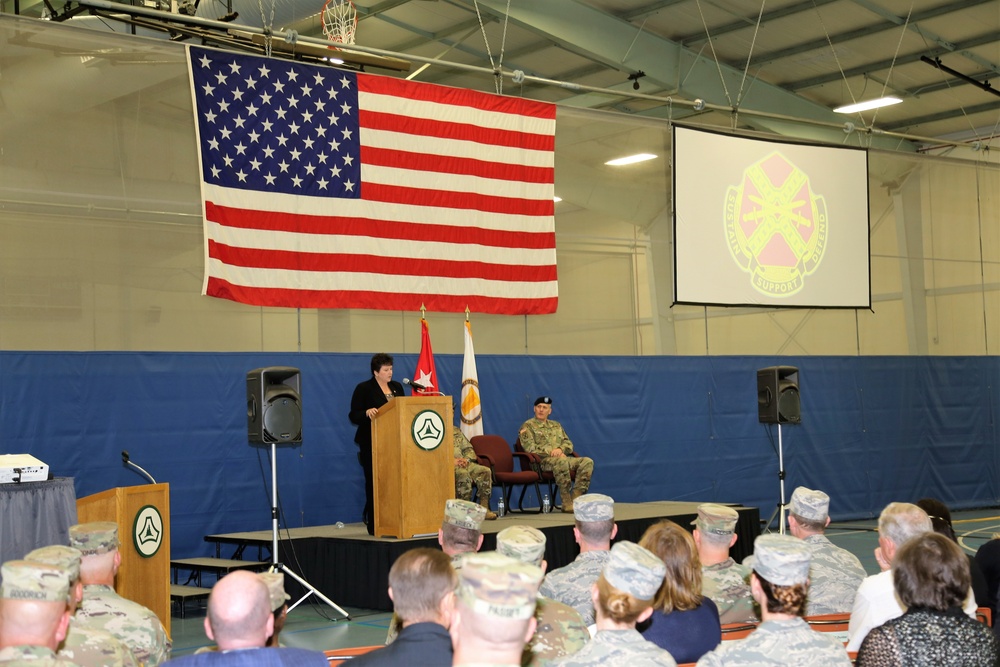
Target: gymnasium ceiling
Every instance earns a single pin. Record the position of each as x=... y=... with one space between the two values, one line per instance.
x=798 y=58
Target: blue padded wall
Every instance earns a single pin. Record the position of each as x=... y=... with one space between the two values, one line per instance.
x=874 y=429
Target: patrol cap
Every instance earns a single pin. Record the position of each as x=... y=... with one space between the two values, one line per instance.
x=464 y=514
x=634 y=570
x=781 y=559
x=547 y=400
x=810 y=504
x=522 y=543
x=494 y=585
x=97 y=537
x=716 y=519
x=275 y=582
x=594 y=507
x=29 y=580
x=57 y=554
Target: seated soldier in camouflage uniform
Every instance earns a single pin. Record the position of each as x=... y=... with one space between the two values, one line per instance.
x=83 y=646
x=34 y=613
x=595 y=528
x=723 y=580
x=559 y=629
x=623 y=596
x=468 y=471
x=102 y=608
x=494 y=609
x=780 y=584
x=834 y=573
x=547 y=439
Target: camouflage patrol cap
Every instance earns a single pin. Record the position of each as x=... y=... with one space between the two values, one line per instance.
x=97 y=537
x=809 y=504
x=29 y=580
x=716 y=519
x=522 y=543
x=464 y=514
x=547 y=400
x=594 y=507
x=275 y=582
x=57 y=554
x=494 y=585
x=634 y=570
x=781 y=559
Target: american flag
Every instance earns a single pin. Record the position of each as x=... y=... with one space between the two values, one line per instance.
x=326 y=188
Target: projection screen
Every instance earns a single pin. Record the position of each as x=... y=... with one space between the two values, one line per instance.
x=769 y=223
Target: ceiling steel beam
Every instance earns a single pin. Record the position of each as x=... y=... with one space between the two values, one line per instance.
x=943 y=115
x=749 y=22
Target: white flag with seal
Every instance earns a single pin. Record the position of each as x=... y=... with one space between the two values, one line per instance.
x=472 y=411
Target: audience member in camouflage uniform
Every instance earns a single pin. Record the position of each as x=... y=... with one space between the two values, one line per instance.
x=559 y=629
x=547 y=439
x=469 y=472
x=34 y=614
x=102 y=608
x=494 y=610
x=87 y=647
x=623 y=596
x=275 y=582
x=460 y=535
x=595 y=528
x=780 y=584
x=834 y=573
x=723 y=580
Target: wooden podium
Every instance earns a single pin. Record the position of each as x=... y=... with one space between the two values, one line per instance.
x=412 y=465
x=143 y=517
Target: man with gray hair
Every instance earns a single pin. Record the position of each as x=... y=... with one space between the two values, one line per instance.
x=595 y=528
x=422 y=589
x=723 y=580
x=834 y=573
x=494 y=609
x=876 y=601
x=34 y=613
x=560 y=630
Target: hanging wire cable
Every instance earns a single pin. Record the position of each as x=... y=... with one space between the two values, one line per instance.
x=895 y=55
x=718 y=66
x=836 y=58
x=496 y=66
x=753 y=42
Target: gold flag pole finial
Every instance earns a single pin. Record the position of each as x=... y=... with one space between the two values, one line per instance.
x=423 y=312
x=466 y=313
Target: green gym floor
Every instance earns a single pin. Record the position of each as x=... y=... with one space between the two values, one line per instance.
x=314 y=625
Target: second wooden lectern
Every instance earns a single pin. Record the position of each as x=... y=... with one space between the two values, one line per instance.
x=412 y=465
x=143 y=517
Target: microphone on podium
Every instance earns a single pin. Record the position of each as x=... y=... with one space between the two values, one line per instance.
x=128 y=463
x=415 y=385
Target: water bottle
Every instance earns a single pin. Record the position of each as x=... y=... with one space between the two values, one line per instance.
x=546 y=504
x=501 y=508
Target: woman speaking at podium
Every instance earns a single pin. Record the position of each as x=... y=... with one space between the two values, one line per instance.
x=368 y=397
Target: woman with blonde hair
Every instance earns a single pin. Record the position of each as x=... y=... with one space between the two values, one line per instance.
x=684 y=622
x=623 y=596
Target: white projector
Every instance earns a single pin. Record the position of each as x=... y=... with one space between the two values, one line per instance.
x=17 y=468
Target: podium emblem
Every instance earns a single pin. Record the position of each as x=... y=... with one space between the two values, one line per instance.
x=428 y=430
x=147 y=531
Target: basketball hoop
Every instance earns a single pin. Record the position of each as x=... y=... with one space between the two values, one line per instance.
x=340 y=21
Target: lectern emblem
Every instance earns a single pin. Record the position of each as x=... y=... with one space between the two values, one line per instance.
x=147 y=531
x=428 y=430
x=776 y=225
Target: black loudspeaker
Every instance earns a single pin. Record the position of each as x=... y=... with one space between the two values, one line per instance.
x=778 y=395
x=274 y=405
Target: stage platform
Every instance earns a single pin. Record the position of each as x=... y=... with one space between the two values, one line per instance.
x=351 y=567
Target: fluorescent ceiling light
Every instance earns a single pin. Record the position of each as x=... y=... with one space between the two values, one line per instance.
x=870 y=104
x=557 y=199
x=631 y=159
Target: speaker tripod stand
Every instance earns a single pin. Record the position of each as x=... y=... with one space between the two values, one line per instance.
x=276 y=564
x=779 y=511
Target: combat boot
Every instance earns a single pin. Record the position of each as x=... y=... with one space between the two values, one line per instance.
x=567 y=498
x=490 y=514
